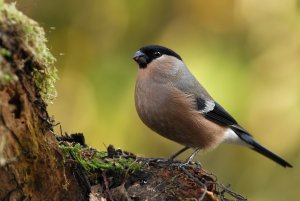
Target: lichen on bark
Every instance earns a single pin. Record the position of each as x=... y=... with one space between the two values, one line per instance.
x=30 y=39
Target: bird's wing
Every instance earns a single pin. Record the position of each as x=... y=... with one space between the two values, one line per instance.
x=216 y=113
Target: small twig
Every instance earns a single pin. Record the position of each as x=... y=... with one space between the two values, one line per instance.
x=128 y=168
x=107 y=187
x=197 y=181
x=233 y=194
x=60 y=128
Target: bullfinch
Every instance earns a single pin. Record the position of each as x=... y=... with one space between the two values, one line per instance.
x=171 y=102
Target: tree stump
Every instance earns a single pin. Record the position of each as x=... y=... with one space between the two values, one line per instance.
x=35 y=164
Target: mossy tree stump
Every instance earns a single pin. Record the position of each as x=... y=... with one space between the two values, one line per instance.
x=37 y=165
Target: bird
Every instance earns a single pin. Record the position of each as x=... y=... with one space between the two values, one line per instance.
x=171 y=102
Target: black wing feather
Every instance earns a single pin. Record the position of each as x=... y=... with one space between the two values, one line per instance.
x=220 y=116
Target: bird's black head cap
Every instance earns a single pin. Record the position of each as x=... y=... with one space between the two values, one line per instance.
x=148 y=53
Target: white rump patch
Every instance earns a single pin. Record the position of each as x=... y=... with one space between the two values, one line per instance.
x=230 y=137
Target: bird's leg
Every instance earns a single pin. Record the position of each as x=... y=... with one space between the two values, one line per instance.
x=172 y=157
x=189 y=159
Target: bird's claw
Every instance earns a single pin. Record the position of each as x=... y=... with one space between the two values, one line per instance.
x=190 y=163
x=182 y=165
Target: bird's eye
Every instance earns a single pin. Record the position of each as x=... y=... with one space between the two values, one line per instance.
x=157 y=54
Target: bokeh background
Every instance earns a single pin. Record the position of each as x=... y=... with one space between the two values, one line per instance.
x=246 y=53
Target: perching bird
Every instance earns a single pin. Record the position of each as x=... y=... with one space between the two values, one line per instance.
x=170 y=101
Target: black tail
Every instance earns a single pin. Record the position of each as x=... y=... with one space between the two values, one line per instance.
x=262 y=150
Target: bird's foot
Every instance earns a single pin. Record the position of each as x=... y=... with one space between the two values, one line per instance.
x=196 y=163
x=190 y=163
x=183 y=165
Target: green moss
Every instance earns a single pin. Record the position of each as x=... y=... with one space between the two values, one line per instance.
x=125 y=166
x=5 y=52
x=67 y=150
x=6 y=76
x=99 y=160
x=31 y=38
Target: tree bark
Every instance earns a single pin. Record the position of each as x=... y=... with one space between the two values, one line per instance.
x=31 y=163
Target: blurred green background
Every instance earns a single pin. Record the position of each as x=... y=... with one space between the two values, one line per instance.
x=246 y=53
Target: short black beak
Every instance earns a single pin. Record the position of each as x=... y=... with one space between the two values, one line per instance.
x=141 y=59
